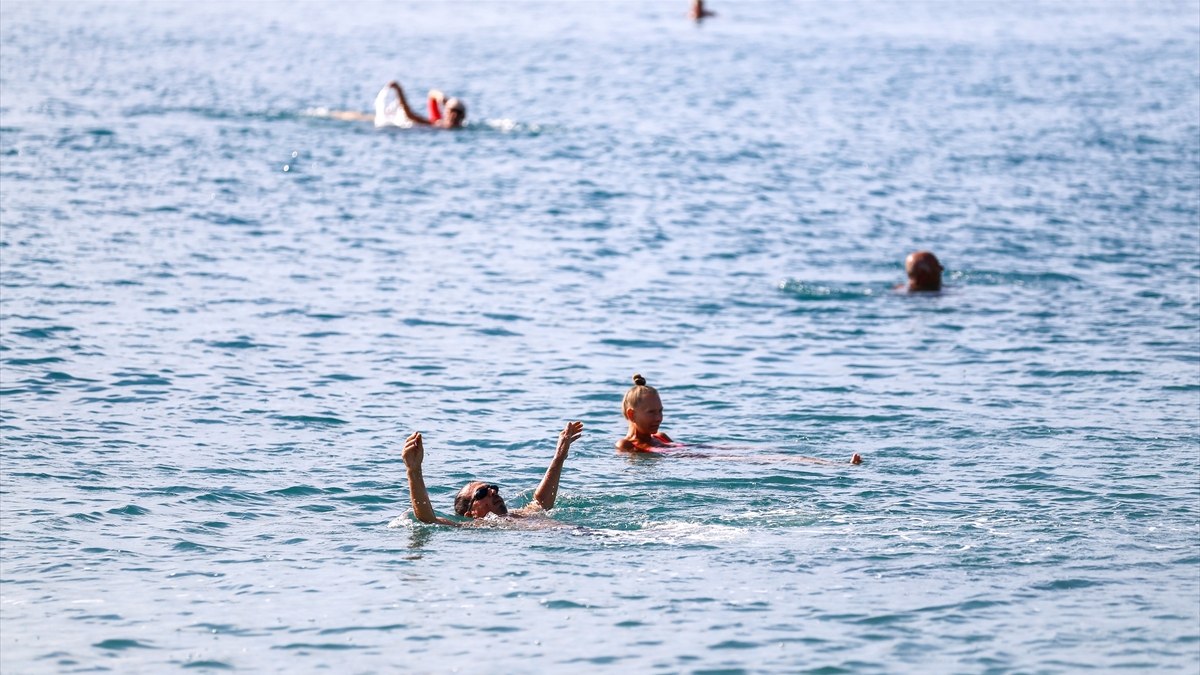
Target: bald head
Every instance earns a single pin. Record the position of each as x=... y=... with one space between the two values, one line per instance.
x=924 y=271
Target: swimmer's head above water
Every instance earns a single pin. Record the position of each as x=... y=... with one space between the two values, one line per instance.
x=698 y=12
x=456 y=113
x=478 y=499
x=924 y=271
x=643 y=410
x=642 y=406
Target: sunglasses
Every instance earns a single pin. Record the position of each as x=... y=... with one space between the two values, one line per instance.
x=481 y=492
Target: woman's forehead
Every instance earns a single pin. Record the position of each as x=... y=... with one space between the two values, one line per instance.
x=649 y=398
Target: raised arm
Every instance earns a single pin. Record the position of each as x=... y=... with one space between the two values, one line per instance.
x=547 y=490
x=414 y=455
x=408 y=112
x=437 y=102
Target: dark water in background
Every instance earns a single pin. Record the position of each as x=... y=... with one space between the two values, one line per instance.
x=220 y=316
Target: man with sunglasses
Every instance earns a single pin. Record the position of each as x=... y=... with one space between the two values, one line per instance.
x=478 y=499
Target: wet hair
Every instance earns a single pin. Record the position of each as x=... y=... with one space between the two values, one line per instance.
x=636 y=392
x=455 y=104
x=924 y=270
x=462 y=501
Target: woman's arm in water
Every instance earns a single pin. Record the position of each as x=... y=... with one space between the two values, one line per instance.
x=408 y=112
x=547 y=490
x=414 y=455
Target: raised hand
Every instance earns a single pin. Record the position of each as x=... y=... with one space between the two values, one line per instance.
x=547 y=490
x=414 y=451
x=569 y=435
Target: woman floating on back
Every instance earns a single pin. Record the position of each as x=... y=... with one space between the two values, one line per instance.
x=644 y=411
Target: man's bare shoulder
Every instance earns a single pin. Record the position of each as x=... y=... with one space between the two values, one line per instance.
x=530 y=509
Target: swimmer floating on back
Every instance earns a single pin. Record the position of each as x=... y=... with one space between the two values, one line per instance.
x=478 y=499
x=444 y=113
x=644 y=411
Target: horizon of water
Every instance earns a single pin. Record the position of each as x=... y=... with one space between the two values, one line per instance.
x=220 y=315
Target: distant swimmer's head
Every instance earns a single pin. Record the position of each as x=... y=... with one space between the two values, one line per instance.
x=924 y=271
x=477 y=499
x=642 y=406
x=456 y=113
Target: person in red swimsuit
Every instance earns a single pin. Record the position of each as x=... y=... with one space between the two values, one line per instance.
x=446 y=113
x=644 y=412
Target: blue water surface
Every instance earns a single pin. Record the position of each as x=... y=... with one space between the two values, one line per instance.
x=221 y=312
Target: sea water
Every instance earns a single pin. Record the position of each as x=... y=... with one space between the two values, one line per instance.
x=222 y=312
